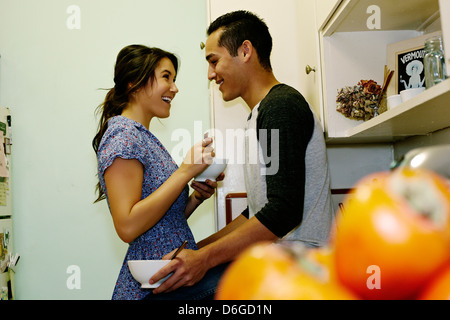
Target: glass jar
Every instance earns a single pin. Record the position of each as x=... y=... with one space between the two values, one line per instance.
x=434 y=62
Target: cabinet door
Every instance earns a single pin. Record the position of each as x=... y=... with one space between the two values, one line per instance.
x=292 y=25
x=324 y=10
x=307 y=39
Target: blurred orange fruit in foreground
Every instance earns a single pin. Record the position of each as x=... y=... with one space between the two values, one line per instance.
x=391 y=242
x=439 y=287
x=394 y=234
x=269 y=271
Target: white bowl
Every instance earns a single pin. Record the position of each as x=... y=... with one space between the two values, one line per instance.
x=393 y=101
x=410 y=93
x=213 y=170
x=143 y=270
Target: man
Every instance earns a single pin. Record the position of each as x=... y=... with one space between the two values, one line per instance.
x=288 y=198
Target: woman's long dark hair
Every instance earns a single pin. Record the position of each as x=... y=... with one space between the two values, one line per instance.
x=135 y=66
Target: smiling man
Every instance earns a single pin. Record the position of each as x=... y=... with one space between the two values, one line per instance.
x=292 y=203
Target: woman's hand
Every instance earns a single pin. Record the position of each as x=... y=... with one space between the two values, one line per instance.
x=199 y=157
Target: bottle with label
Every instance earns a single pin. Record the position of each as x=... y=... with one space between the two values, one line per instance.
x=434 y=62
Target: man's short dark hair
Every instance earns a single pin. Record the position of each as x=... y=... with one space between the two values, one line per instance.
x=239 y=26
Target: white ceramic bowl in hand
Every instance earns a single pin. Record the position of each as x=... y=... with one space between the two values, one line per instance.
x=143 y=270
x=213 y=170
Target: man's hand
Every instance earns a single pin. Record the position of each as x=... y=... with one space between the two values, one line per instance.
x=204 y=190
x=188 y=268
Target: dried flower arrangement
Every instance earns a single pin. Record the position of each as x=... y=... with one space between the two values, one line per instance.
x=365 y=100
x=359 y=102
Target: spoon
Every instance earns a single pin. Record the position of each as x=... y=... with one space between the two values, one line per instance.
x=179 y=249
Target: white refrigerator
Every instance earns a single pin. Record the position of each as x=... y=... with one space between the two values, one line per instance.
x=7 y=256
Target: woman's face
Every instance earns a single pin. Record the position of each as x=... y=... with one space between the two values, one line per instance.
x=155 y=98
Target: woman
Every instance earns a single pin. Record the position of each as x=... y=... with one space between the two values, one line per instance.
x=147 y=192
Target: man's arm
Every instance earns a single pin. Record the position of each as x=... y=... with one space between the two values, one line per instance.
x=238 y=221
x=229 y=246
x=190 y=266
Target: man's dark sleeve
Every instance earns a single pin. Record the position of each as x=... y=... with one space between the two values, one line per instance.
x=294 y=121
x=245 y=213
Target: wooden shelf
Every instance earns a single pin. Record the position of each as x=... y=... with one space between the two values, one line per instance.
x=421 y=115
x=352 y=15
x=347 y=27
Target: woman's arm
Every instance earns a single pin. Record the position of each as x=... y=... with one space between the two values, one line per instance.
x=131 y=215
x=123 y=178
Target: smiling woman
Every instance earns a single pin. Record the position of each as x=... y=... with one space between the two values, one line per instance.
x=147 y=192
x=61 y=68
x=155 y=96
x=134 y=74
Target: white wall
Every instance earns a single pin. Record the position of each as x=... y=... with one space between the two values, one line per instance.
x=50 y=77
x=350 y=163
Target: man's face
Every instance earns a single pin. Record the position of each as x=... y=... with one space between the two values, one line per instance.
x=223 y=68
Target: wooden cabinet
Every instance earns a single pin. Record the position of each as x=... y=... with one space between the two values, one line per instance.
x=351 y=50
